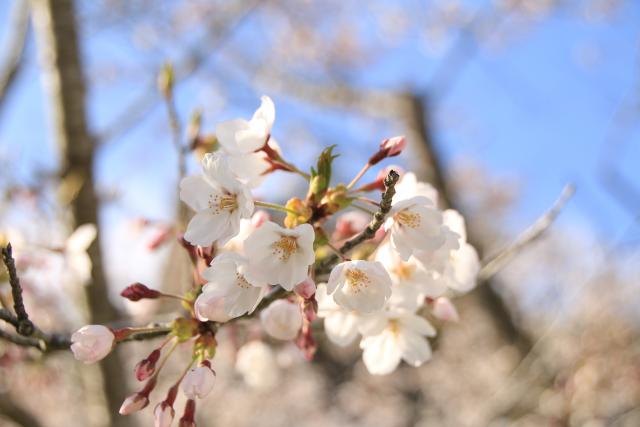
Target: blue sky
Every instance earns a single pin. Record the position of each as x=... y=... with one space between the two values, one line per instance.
x=528 y=112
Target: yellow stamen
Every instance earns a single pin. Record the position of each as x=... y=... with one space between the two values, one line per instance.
x=357 y=280
x=285 y=247
x=408 y=218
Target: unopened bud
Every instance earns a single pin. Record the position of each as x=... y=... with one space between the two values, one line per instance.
x=166 y=79
x=282 y=319
x=160 y=238
x=210 y=307
x=350 y=224
x=444 y=309
x=390 y=147
x=92 y=343
x=146 y=367
x=306 y=289
x=199 y=382
x=138 y=291
x=163 y=414
x=378 y=183
x=188 y=417
x=134 y=403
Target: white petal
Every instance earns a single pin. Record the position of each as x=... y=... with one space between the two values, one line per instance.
x=205 y=228
x=226 y=134
x=341 y=327
x=466 y=267
x=195 y=192
x=415 y=348
x=417 y=324
x=381 y=354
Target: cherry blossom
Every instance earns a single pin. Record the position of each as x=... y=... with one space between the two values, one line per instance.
x=219 y=200
x=92 y=343
x=198 y=382
x=361 y=286
x=282 y=319
x=227 y=279
x=403 y=338
x=280 y=256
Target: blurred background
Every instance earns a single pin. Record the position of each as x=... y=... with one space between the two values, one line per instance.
x=504 y=102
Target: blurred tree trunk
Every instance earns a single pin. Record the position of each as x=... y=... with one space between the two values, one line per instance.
x=428 y=167
x=62 y=75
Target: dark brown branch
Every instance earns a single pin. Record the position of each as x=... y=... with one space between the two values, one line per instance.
x=8 y=317
x=369 y=232
x=25 y=326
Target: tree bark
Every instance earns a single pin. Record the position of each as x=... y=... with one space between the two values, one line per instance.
x=64 y=84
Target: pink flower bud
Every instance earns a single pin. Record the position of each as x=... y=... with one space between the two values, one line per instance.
x=443 y=309
x=307 y=343
x=199 y=381
x=259 y=218
x=188 y=418
x=92 y=343
x=146 y=367
x=163 y=414
x=306 y=289
x=394 y=146
x=160 y=238
x=390 y=147
x=350 y=224
x=134 y=403
x=282 y=319
x=138 y=291
x=210 y=307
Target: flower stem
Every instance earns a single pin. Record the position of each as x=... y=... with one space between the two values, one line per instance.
x=358 y=176
x=275 y=207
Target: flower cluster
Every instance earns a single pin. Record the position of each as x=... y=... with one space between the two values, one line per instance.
x=380 y=277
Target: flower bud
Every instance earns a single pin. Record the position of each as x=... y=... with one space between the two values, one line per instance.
x=199 y=381
x=160 y=238
x=138 y=291
x=350 y=223
x=257 y=364
x=390 y=147
x=394 y=145
x=378 y=183
x=305 y=289
x=282 y=319
x=443 y=309
x=163 y=414
x=188 y=418
x=92 y=343
x=134 y=403
x=210 y=307
x=146 y=367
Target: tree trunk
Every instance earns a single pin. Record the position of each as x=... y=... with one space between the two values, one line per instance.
x=64 y=85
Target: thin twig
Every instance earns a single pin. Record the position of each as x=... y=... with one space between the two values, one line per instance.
x=494 y=263
x=8 y=317
x=25 y=326
x=369 y=232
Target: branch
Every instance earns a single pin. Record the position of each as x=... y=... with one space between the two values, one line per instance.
x=24 y=325
x=375 y=224
x=494 y=263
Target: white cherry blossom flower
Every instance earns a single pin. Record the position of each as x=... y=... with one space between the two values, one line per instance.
x=412 y=282
x=282 y=319
x=242 y=136
x=361 y=286
x=403 y=338
x=227 y=279
x=209 y=306
x=242 y=141
x=92 y=343
x=415 y=225
x=280 y=256
x=409 y=187
x=343 y=326
x=198 y=382
x=219 y=199
x=455 y=265
x=258 y=366
x=247 y=226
